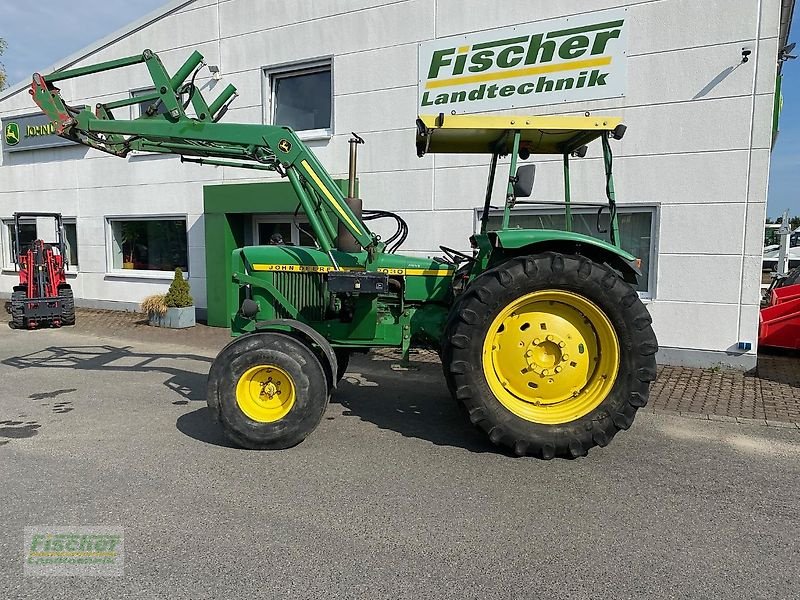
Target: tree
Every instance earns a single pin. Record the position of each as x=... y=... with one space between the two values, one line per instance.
x=3 y=47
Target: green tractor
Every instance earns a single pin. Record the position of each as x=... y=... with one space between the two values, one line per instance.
x=543 y=338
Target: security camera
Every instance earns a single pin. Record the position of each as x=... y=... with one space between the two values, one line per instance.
x=786 y=53
x=746 y=52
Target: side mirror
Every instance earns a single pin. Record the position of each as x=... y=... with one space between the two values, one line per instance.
x=523 y=183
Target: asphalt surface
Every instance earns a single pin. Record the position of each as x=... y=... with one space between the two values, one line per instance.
x=394 y=495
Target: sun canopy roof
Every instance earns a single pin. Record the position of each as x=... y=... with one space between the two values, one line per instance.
x=467 y=134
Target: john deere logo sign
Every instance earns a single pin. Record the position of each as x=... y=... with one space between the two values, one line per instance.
x=31 y=132
x=563 y=60
x=12 y=134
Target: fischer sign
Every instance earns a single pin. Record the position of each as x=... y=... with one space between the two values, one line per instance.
x=561 y=60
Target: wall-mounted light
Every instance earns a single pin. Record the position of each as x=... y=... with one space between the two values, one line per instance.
x=214 y=69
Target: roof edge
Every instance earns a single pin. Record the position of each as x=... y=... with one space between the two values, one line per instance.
x=787 y=14
x=120 y=34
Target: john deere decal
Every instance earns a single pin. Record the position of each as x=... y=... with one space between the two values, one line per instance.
x=31 y=131
x=12 y=134
x=548 y=62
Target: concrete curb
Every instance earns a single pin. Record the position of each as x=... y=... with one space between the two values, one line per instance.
x=721 y=418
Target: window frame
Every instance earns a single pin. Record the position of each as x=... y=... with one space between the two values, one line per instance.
x=653 y=208
x=8 y=252
x=112 y=271
x=305 y=67
x=279 y=218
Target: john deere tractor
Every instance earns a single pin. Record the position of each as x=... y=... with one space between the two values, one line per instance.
x=543 y=338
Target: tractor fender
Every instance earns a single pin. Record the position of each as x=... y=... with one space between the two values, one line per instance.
x=515 y=243
x=312 y=337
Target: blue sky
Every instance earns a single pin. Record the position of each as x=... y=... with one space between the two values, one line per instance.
x=784 y=182
x=72 y=25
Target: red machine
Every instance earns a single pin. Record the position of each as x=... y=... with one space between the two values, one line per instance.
x=43 y=296
x=780 y=320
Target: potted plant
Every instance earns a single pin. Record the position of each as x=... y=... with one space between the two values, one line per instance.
x=129 y=238
x=175 y=309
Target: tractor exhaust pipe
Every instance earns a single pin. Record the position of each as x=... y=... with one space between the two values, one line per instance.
x=345 y=240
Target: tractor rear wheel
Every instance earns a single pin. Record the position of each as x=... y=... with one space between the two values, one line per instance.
x=17 y=310
x=268 y=390
x=550 y=354
x=67 y=305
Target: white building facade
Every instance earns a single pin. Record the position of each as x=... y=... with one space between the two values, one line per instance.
x=694 y=81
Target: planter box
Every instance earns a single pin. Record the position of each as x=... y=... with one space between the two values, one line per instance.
x=175 y=318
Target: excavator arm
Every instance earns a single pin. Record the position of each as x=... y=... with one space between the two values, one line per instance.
x=198 y=136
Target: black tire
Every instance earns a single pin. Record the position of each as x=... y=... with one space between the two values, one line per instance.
x=67 y=305
x=343 y=360
x=17 y=310
x=291 y=355
x=494 y=290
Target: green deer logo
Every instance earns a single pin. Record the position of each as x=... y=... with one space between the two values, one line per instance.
x=12 y=134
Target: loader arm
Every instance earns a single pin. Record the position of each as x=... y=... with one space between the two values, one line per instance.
x=201 y=138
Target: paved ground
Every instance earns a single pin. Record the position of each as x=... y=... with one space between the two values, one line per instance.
x=394 y=496
x=771 y=396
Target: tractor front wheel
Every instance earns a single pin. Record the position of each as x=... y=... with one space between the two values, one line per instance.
x=268 y=390
x=550 y=354
x=17 y=310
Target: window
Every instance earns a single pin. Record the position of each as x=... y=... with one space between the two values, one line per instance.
x=28 y=233
x=71 y=241
x=148 y=244
x=270 y=229
x=636 y=228
x=302 y=98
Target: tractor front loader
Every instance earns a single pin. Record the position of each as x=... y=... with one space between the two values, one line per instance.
x=43 y=296
x=543 y=338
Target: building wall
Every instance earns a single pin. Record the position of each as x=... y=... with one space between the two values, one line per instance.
x=697 y=148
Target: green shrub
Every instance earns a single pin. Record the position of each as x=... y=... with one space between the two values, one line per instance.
x=178 y=295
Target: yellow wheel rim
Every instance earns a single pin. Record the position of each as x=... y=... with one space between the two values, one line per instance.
x=551 y=357
x=265 y=393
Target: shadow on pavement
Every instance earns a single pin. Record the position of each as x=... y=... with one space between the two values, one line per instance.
x=779 y=366
x=112 y=359
x=415 y=404
x=200 y=426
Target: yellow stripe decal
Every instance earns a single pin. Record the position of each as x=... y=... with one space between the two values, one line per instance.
x=328 y=269
x=571 y=66
x=412 y=272
x=329 y=196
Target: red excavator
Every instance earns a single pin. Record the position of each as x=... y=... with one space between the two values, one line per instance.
x=43 y=296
